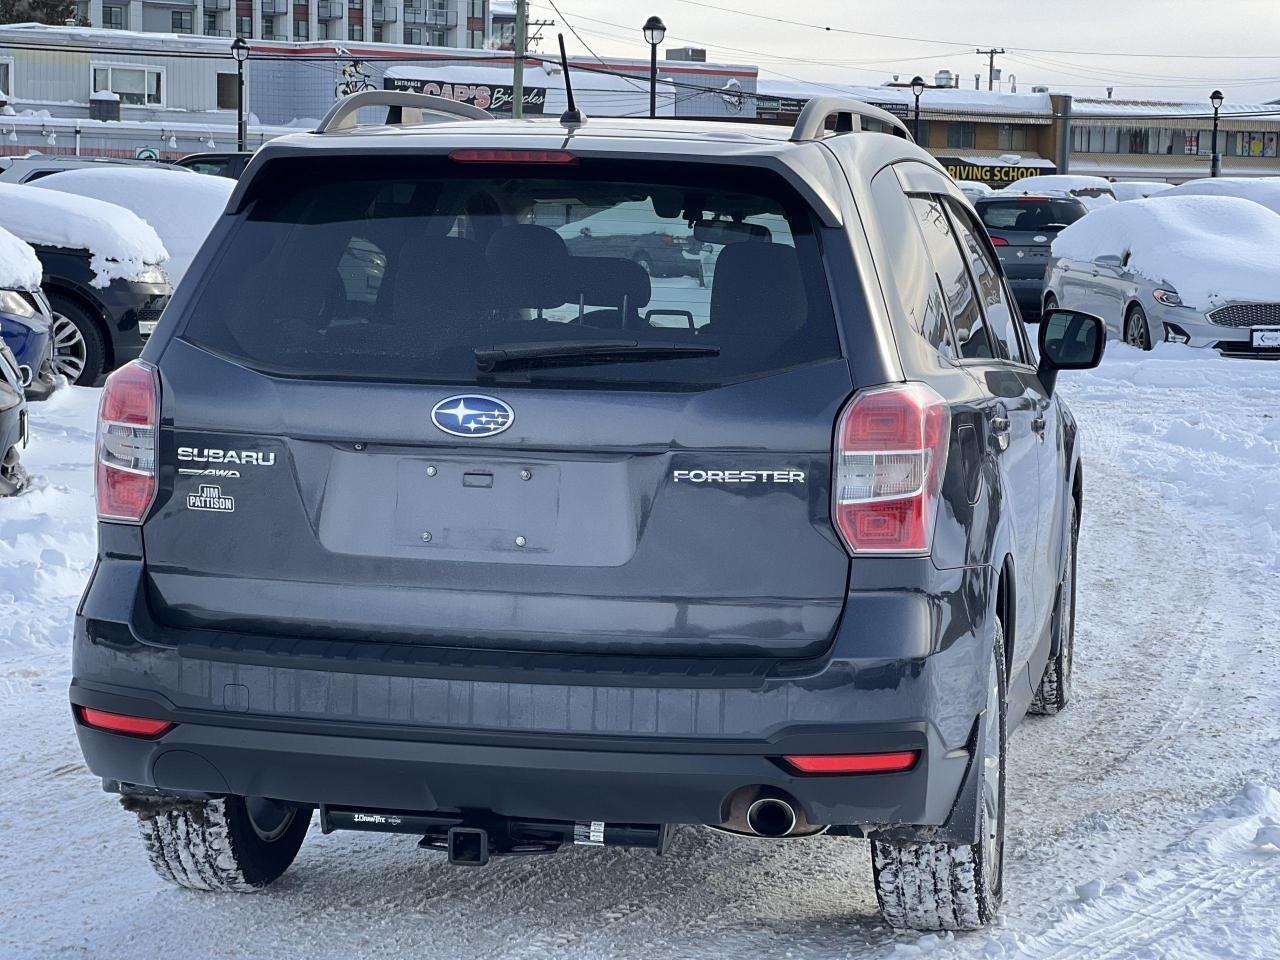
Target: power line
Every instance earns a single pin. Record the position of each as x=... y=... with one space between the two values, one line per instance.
x=956 y=43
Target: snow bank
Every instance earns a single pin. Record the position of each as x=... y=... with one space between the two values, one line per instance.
x=181 y=206
x=1209 y=249
x=1263 y=191
x=121 y=244
x=1216 y=449
x=19 y=268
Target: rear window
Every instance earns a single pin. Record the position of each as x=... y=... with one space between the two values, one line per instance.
x=401 y=268
x=1029 y=213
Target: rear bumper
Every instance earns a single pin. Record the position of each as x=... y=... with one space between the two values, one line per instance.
x=567 y=743
x=1029 y=293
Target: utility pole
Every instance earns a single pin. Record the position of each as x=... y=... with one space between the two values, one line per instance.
x=991 y=64
x=522 y=41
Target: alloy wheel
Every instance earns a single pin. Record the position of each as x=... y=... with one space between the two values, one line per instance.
x=1135 y=331
x=69 y=350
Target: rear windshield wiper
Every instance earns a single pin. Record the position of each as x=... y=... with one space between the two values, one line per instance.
x=587 y=351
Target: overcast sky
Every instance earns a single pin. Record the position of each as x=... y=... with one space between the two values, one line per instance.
x=948 y=32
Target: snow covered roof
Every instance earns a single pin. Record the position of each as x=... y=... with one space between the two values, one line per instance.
x=19 y=267
x=933 y=100
x=1173 y=109
x=180 y=206
x=1210 y=249
x=119 y=242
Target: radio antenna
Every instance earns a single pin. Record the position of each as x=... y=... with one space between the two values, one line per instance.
x=572 y=117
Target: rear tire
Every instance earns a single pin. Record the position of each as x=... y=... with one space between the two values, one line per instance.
x=1050 y=303
x=940 y=886
x=1054 y=692
x=233 y=844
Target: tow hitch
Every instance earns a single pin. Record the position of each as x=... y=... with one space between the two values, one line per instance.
x=471 y=839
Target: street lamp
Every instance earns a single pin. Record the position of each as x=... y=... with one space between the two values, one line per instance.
x=240 y=50
x=917 y=88
x=654 y=30
x=1215 y=162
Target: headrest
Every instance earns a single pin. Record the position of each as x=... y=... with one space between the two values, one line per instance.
x=757 y=288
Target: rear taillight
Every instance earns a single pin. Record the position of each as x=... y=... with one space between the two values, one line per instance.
x=126 y=449
x=999 y=242
x=891 y=454
x=122 y=723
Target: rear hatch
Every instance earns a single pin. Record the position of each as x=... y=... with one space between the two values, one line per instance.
x=1023 y=230
x=398 y=408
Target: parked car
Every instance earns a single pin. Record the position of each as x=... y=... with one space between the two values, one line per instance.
x=1093 y=192
x=13 y=425
x=1194 y=270
x=498 y=559
x=1022 y=229
x=103 y=276
x=1138 y=189
x=1263 y=190
x=25 y=317
x=629 y=231
x=181 y=209
x=36 y=166
x=229 y=163
x=974 y=189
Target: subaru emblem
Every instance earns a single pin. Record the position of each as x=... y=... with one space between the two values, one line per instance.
x=471 y=415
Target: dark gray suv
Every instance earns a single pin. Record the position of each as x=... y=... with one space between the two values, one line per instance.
x=510 y=549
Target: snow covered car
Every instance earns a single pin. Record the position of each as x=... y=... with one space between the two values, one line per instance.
x=181 y=207
x=1195 y=270
x=26 y=320
x=1093 y=192
x=37 y=166
x=1263 y=190
x=103 y=275
x=974 y=189
x=13 y=424
x=1138 y=189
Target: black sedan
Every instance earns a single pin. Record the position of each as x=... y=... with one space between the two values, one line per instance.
x=1022 y=230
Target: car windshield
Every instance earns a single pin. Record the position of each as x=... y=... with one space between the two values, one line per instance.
x=1030 y=213
x=402 y=268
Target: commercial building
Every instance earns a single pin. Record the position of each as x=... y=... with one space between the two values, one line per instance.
x=440 y=23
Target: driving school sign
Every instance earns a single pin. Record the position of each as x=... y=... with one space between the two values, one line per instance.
x=994 y=174
x=493 y=97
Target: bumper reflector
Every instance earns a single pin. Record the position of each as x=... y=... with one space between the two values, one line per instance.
x=856 y=762
x=119 y=723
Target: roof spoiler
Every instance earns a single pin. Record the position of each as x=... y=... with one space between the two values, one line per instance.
x=404 y=107
x=849 y=114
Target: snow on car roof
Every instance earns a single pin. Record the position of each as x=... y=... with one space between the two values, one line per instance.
x=119 y=242
x=1263 y=191
x=181 y=206
x=19 y=266
x=1209 y=249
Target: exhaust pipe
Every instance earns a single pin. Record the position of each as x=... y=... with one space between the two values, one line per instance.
x=771 y=817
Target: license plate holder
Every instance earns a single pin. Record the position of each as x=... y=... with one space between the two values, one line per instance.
x=1265 y=338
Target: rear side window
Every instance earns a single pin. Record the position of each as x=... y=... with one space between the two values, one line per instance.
x=990 y=283
x=957 y=289
x=1029 y=213
x=401 y=268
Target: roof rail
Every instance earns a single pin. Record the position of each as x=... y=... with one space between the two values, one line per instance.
x=411 y=107
x=849 y=114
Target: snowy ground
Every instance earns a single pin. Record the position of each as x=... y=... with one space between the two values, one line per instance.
x=1144 y=821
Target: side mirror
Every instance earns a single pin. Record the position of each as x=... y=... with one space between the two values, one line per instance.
x=1069 y=340
x=1109 y=260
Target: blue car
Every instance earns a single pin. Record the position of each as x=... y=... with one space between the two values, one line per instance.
x=26 y=325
